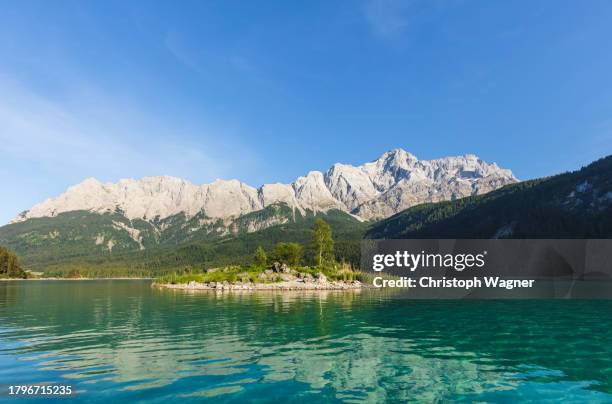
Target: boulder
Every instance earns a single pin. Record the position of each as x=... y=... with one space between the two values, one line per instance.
x=287 y=277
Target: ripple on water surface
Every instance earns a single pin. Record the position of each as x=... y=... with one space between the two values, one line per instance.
x=123 y=340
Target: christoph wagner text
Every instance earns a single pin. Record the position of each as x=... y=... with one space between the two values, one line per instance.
x=410 y=261
x=429 y=282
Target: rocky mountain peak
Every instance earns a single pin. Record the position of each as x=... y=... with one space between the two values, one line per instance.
x=393 y=182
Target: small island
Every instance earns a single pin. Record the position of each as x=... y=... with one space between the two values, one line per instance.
x=277 y=277
x=284 y=273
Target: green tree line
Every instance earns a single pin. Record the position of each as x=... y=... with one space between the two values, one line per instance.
x=319 y=252
x=9 y=264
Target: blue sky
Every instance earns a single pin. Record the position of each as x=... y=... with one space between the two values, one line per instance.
x=265 y=91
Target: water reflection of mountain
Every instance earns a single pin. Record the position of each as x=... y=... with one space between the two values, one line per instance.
x=346 y=346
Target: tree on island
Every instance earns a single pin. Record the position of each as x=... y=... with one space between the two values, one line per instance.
x=260 y=259
x=9 y=265
x=288 y=253
x=323 y=242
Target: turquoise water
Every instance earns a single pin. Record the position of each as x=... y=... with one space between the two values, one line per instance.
x=120 y=341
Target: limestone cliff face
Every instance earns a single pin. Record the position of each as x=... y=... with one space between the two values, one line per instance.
x=395 y=181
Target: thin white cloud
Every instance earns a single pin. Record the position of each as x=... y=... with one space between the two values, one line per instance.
x=64 y=140
x=105 y=139
x=387 y=18
x=181 y=51
x=391 y=19
x=184 y=51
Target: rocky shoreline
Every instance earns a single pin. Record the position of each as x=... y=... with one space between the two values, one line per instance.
x=278 y=277
x=283 y=285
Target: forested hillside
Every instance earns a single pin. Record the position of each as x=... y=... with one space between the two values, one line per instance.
x=83 y=236
x=206 y=252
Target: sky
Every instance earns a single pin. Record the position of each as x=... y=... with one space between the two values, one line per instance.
x=265 y=91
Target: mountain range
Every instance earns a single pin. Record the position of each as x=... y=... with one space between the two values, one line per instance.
x=395 y=181
x=160 y=224
x=95 y=219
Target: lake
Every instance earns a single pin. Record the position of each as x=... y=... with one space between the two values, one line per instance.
x=123 y=341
